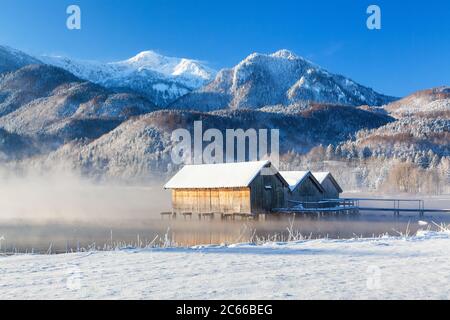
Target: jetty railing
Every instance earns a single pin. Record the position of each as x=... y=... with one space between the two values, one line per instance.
x=321 y=207
x=398 y=206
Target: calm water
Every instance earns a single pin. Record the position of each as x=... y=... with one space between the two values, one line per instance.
x=148 y=228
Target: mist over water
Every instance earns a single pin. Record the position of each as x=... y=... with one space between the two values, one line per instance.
x=61 y=212
x=63 y=197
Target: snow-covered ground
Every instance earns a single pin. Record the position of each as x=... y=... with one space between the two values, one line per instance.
x=381 y=268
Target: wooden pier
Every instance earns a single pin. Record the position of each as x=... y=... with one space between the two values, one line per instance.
x=212 y=215
x=327 y=207
x=321 y=208
x=353 y=205
x=397 y=206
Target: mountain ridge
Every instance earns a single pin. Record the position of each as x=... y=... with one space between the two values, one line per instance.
x=51 y=103
x=278 y=78
x=159 y=78
x=49 y=115
x=12 y=59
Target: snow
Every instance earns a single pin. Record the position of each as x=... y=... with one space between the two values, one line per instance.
x=285 y=54
x=161 y=87
x=278 y=78
x=222 y=175
x=173 y=77
x=190 y=72
x=321 y=176
x=378 y=268
x=169 y=66
x=294 y=178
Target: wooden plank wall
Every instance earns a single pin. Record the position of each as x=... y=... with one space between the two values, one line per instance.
x=226 y=200
x=306 y=192
x=265 y=199
x=331 y=191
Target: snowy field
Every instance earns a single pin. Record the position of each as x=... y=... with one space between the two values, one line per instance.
x=383 y=268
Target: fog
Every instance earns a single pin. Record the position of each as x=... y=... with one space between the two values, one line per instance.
x=60 y=211
x=63 y=197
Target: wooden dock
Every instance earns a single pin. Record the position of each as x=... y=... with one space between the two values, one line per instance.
x=353 y=206
x=327 y=207
x=398 y=206
x=397 y=211
x=321 y=208
x=211 y=215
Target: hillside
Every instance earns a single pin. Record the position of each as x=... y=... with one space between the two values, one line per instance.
x=421 y=133
x=430 y=100
x=54 y=105
x=141 y=147
x=12 y=59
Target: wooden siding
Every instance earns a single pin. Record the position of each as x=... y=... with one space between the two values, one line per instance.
x=307 y=191
x=226 y=200
x=330 y=189
x=267 y=193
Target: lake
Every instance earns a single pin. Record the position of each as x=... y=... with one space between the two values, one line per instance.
x=66 y=237
x=93 y=217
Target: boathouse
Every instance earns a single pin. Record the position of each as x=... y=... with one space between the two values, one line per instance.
x=329 y=184
x=228 y=188
x=303 y=187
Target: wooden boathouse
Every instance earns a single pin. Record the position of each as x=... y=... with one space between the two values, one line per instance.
x=329 y=184
x=303 y=187
x=244 y=188
x=252 y=189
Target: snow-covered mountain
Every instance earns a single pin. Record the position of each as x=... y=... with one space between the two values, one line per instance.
x=420 y=134
x=51 y=104
x=430 y=100
x=279 y=78
x=159 y=78
x=50 y=113
x=12 y=59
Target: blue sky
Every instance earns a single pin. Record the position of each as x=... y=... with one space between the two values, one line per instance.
x=410 y=52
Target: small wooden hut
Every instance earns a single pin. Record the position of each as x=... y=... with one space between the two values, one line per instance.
x=303 y=187
x=228 y=188
x=330 y=185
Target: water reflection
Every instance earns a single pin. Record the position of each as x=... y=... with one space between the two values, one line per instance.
x=154 y=231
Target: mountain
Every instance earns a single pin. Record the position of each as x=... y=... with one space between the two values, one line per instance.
x=421 y=130
x=52 y=104
x=30 y=83
x=279 y=78
x=430 y=100
x=159 y=78
x=11 y=59
x=141 y=147
x=14 y=146
x=105 y=128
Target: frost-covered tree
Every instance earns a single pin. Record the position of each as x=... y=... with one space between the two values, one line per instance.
x=330 y=152
x=365 y=153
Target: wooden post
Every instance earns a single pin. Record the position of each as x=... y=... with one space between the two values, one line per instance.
x=421 y=207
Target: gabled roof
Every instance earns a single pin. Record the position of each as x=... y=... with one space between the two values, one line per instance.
x=223 y=175
x=296 y=178
x=322 y=176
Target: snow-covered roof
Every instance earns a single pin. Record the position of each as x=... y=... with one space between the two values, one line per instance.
x=295 y=178
x=223 y=175
x=322 y=176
